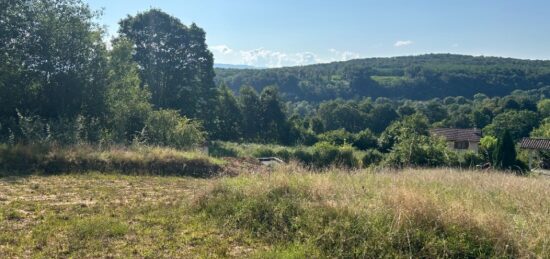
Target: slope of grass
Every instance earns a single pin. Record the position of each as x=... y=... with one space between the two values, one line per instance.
x=289 y=212
x=28 y=159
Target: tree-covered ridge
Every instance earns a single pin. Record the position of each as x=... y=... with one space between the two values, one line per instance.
x=413 y=77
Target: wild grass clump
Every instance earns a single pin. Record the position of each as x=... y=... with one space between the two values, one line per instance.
x=45 y=159
x=339 y=215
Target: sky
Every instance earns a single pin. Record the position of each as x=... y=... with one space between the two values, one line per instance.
x=276 y=33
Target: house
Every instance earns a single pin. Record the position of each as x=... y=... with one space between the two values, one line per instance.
x=536 y=146
x=459 y=139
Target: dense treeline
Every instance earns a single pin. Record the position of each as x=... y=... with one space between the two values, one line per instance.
x=395 y=132
x=413 y=77
x=59 y=83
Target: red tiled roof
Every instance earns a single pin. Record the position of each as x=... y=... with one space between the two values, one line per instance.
x=535 y=143
x=471 y=135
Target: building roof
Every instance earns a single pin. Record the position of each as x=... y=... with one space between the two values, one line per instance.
x=535 y=143
x=471 y=135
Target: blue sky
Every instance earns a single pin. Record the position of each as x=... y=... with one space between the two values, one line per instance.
x=278 y=33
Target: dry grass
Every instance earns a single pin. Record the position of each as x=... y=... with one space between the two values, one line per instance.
x=137 y=159
x=335 y=213
x=503 y=212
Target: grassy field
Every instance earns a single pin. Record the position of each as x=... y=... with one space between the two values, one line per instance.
x=287 y=213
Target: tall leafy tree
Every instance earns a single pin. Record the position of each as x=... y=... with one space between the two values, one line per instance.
x=174 y=62
x=505 y=152
x=274 y=125
x=518 y=124
x=54 y=60
x=128 y=103
x=251 y=109
x=229 y=116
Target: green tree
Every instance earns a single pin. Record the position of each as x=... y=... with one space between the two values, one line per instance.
x=416 y=124
x=175 y=62
x=128 y=103
x=274 y=125
x=337 y=137
x=53 y=59
x=543 y=131
x=381 y=116
x=505 y=153
x=251 y=111
x=365 y=140
x=169 y=128
x=544 y=108
x=487 y=147
x=518 y=123
x=229 y=116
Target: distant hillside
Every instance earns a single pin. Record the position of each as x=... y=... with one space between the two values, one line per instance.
x=413 y=77
x=232 y=66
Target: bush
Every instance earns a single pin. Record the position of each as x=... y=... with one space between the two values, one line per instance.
x=263 y=152
x=303 y=156
x=168 y=128
x=365 y=140
x=471 y=159
x=346 y=158
x=372 y=157
x=221 y=149
x=336 y=137
x=420 y=150
x=325 y=155
x=284 y=154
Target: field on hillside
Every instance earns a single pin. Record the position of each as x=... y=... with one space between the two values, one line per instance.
x=289 y=212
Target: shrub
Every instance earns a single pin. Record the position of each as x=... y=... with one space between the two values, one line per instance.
x=168 y=128
x=372 y=157
x=365 y=140
x=303 y=156
x=324 y=154
x=346 y=158
x=419 y=150
x=283 y=154
x=220 y=149
x=336 y=137
x=263 y=152
x=471 y=159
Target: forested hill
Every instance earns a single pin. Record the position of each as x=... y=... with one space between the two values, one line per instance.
x=411 y=77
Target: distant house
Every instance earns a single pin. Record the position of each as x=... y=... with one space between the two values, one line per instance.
x=535 y=147
x=459 y=139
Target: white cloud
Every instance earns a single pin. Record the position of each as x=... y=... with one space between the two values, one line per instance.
x=262 y=57
x=343 y=55
x=224 y=49
x=403 y=43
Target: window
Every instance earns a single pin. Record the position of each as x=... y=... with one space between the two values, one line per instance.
x=462 y=144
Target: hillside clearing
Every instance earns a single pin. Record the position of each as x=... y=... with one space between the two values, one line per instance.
x=274 y=215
